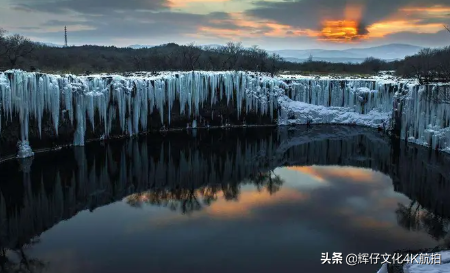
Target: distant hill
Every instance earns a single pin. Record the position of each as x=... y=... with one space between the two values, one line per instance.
x=391 y=51
x=150 y=46
x=331 y=60
x=49 y=44
x=140 y=46
x=352 y=55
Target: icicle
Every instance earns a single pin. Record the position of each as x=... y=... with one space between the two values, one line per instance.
x=129 y=101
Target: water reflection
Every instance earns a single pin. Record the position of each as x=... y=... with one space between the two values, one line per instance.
x=283 y=195
x=16 y=260
x=415 y=218
x=188 y=200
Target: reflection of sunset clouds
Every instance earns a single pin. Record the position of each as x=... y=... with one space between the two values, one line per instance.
x=322 y=174
x=372 y=209
x=250 y=200
x=309 y=171
x=358 y=199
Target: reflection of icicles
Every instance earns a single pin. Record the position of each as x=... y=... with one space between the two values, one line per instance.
x=136 y=167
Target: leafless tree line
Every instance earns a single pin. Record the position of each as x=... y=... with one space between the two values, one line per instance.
x=14 y=47
x=232 y=56
x=428 y=66
x=17 y=51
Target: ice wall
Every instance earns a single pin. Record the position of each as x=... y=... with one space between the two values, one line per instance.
x=358 y=94
x=108 y=104
x=425 y=115
x=100 y=101
x=366 y=102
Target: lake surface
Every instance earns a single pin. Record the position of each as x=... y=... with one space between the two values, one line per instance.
x=238 y=200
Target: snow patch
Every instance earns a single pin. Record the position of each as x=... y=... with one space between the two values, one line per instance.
x=294 y=112
x=24 y=150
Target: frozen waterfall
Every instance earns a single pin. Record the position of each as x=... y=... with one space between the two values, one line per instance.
x=102 y=100
x=102 y=106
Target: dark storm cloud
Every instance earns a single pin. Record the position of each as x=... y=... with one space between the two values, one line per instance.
x=310 y=13
x=53 y=23
x=109 y=19
x=134 y=25
x=89 y=6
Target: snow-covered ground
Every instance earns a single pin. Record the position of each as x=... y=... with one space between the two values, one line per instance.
x=384 y=77
x=295 y=112
x=416 y=267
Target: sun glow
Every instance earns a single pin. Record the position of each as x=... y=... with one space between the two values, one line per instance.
x=348 y=29
x=342 y=31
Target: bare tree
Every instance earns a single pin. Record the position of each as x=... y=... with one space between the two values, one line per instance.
x=275 y=62
x=447 y=28
x=256 y=58
x=234 y=53
x=137 y=61
x=214 y=57
x=16 y=47
x=3 y=46
x=191 y=54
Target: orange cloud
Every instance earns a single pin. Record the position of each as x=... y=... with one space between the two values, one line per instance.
x=429 y=10
x=410 y=19
x=384 y=28
x=248 y=27
x=354 y=12
x=348 y=29
x=342 y=31
x=324 y=173
x=249 y=200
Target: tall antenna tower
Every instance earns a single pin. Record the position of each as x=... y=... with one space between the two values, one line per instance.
x=65 y=36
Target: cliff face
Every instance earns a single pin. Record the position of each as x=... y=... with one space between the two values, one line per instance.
x=47 y=111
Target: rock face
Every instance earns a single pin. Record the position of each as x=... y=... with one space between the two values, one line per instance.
x=49 y=111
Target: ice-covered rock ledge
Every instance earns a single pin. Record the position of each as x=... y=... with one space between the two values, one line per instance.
x=44 y=111
x=47 y=110
x=416 y=113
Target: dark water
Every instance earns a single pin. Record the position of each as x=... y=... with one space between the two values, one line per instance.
x=247 y=200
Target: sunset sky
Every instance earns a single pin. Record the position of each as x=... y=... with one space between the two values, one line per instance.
x=276 y=24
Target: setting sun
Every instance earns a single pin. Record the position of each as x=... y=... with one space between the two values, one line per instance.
x=342 y=31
